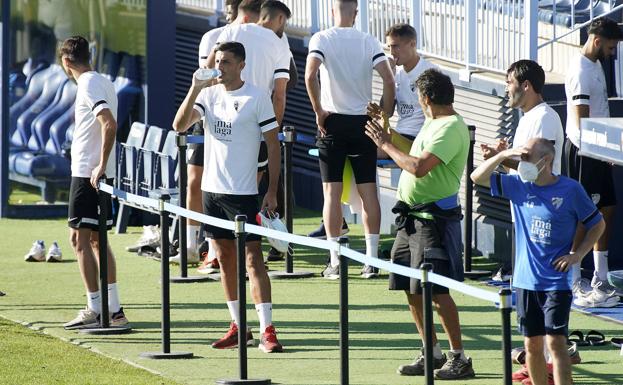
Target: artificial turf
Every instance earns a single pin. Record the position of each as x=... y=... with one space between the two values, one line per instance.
x=382 y=335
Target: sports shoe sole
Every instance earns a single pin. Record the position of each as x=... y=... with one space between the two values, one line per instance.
x=610 y=302
x=83 y=326
x=249 y=343
x=369 y=275
x=54 y=259
x=31 y=258
x=277 y=350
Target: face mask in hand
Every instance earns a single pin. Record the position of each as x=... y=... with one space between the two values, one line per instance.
x=528 y=171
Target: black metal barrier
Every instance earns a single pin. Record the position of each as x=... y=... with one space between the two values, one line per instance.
x=344 y=378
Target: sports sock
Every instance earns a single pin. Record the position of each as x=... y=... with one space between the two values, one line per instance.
x=576 y=271
x=94 y=301
x=113 y=298
x=372 y=245
x=600 y=258
x=265 y=315
x=234 y=307
x=335 y=259
x=459 y=351
x=192 y=232
x=211 y=251
x=437 y=351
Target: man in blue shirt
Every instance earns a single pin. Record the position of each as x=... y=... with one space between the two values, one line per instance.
x=548 y=209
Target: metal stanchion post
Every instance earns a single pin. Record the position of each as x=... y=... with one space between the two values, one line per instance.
x=289 y=136
x=427 y=288
x=164 y=264
x=104 y=327
x=506 y=308
x=182 y=145
x=241 y=236
x=469 y=199
x=343 y=314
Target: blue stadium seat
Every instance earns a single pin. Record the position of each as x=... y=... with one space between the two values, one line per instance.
x=109 y=67
x=147 y=159
x=127 y=157
x=165 y=173
x=128 y=87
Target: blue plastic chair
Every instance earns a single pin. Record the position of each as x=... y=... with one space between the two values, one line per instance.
x=165 y=174
x=147 y=158
x=127 y=157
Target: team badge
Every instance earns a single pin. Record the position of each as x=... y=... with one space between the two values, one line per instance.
x=557 y=202
x=236 y=105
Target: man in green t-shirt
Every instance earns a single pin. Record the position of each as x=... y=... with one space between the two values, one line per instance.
x=429 y=213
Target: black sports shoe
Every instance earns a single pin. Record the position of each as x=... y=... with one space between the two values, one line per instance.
x=369 y=272
x=274 y=255
x=321 y=233
x=455 y=368
x=417 y=367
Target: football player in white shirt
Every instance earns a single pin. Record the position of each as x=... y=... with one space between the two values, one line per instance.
x=345 y=59
x=237 y=115
x=91 y=158
x=587 y=96
x=195 y=155
x=407 y=65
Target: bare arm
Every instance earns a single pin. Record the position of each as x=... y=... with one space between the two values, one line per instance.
x=482 y=174
x=211 y=60
x=274 y=168
x=389 y=87
x=186 y=115
x=581 y=111
x=313 y=90
x=565 y=262
x=109 y=131
x=279 y=98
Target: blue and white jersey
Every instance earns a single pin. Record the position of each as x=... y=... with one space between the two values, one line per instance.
x=546 y=218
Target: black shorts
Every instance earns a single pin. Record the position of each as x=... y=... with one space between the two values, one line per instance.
x=424 y=244
x=346 y=137
x=262 y=157
x=84 y=205
x=226 y=206
x=543 y=312
x=593 y=174
x=195 y=150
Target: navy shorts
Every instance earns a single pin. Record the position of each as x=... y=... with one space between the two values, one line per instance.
x=542 y=313
x=226 y=206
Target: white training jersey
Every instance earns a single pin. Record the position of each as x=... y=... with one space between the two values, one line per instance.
x=234 y=122
x=585 y=83
x=208 y=41
x=348 y=57
x=268 y=58
x=541 y=122
x=410 y=114
x=94 y=94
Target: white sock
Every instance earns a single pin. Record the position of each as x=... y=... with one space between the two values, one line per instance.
x=372 y=245
x=576 y=271
x=335 y=259
x=600 y=258
x=461 y=352
x=94 y=301
x=192 y=231
x=265 y=315
x=113 y=298
x=234 y=307
x=211 y=251
x=437 y=351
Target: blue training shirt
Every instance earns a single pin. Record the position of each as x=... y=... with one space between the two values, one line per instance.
x=546 y=218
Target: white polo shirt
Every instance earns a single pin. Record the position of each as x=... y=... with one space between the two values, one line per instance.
x=234 y=122
x=348 y=57
x=585 y=84
x=541 y=122
x=268 y=58
x=410 y=114
x=208 y=41
x=94 y=94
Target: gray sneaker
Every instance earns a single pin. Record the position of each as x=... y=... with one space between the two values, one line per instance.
x=331 y=272
x=369 y=272
x=605 y=286
x=455 y=368
x=417 y=367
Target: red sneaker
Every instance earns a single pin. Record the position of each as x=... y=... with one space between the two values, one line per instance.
x=230 y=339
x=269 y=343
x=521 y=374
x=550 y=376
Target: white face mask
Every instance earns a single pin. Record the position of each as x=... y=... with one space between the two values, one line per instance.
x=528 y=171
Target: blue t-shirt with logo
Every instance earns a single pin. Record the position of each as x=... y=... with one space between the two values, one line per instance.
x=546 y=218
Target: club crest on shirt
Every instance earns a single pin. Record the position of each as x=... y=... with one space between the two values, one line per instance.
x=595 y=198
x=557 y=202
x=412 y=86
x=236 y=105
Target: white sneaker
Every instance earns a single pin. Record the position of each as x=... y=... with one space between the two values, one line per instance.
x=150 y=236
x=606 y=286
x=598 y=298
x=86 y=318
x=192 y=258
x=54 y=253
x=581 y=288
x=36 y=253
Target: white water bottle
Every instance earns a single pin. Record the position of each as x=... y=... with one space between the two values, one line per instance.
x=207 y=73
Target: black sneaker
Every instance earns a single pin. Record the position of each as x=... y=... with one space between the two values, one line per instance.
x=455 y=368
x=274 y=255
x=321 y=233
x=331 y=272
x=417 y=367
x=369 y=272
